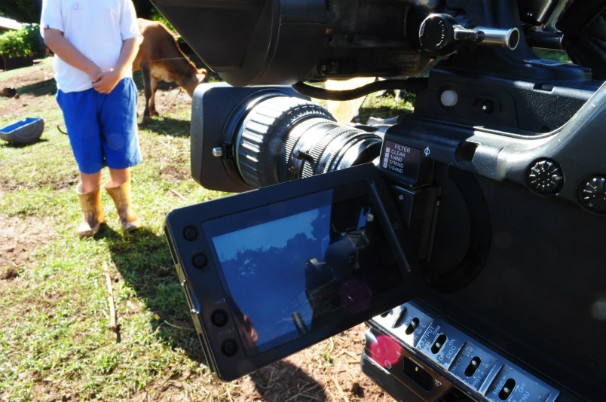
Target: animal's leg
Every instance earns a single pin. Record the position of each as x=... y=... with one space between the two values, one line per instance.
x=152 y=99
x=147 y=91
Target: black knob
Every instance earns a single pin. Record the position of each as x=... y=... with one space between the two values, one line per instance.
x=438 y=34
x=592 y=194
x=190 y=233
x=219 y=318
x=229 y=347
x=199 y=260
x=545 y=177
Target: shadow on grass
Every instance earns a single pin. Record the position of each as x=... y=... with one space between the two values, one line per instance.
x=7 y=144
x=283 y=381
x=42 y=88
x=144 y=261
x=167 y=126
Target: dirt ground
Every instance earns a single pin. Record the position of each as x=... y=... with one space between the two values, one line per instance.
x=306 y=376
x=20 y=237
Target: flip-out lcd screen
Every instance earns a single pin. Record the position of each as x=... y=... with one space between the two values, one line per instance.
x=289 y=266
x=269 y=272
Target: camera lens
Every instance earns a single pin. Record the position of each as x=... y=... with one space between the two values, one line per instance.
x=285 y=138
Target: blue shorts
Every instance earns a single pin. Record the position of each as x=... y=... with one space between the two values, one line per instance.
x=102 y=128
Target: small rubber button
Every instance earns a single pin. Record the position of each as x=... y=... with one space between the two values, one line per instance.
x=219 y=318
x=229 y=347
x=190 y=233
x=199 y=260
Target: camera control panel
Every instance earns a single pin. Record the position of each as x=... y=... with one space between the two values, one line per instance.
x=412 y=345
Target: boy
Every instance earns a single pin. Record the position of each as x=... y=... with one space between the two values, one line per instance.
x=95 y=43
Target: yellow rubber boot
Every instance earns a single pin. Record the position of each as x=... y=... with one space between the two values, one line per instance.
x=121 y=197
x=92 y=210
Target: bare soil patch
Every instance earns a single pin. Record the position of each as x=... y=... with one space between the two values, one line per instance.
x=327 y=371
x=20 y=237
x=40 y=72
x=38 y=82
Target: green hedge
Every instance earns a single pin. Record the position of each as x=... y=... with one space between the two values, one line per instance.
x=25 y=42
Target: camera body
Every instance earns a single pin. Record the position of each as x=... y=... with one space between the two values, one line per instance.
x=494 y=187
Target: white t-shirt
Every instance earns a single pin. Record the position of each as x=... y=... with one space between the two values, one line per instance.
x=97 y=28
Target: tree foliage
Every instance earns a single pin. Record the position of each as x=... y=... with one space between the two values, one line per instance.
x=21 y=10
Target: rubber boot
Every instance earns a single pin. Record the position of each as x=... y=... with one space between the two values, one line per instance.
x=121 y=197
x=92 y=210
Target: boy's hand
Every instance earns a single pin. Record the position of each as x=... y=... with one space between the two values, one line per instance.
x=106 y=81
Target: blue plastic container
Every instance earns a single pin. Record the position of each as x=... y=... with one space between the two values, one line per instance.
x=23 y=132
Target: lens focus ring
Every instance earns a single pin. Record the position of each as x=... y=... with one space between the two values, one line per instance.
x=262 y=140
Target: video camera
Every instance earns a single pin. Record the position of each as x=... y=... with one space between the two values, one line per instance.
x=467 y=233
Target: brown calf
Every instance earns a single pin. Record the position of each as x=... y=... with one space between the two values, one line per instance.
x=160 y=59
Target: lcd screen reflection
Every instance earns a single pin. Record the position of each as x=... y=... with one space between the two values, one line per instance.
x=312 y=254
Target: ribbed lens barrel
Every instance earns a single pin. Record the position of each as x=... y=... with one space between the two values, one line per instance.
x=285 y=138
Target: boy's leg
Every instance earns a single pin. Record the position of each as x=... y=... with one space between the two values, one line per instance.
x=89 y=192
x=80 y=116
x=117 y=177
x=79 y=113
x=118 y=187
x=118 y=116
x=121 y=147
x=90 y=182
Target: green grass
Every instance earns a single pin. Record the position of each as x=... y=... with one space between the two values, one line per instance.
x=55 y=343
